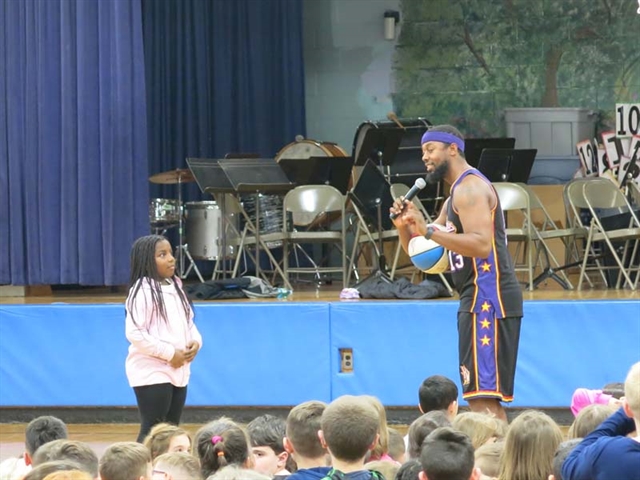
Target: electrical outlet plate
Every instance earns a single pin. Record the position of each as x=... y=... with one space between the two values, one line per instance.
x=346 y=360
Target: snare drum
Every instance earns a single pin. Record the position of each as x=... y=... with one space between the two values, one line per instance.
x=203 y=228
x=163 y=212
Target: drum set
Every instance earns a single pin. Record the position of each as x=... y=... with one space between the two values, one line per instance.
x=199 y=224
x=205 y=231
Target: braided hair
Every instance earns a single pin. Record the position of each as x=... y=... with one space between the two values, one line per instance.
x=143 y=265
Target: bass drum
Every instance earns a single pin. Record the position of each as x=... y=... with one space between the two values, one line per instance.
x=307 y=148
x=203 y=228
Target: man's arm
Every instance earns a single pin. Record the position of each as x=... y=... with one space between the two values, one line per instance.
x=473 y=201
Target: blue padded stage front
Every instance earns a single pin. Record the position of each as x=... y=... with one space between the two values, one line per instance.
x=283 y=353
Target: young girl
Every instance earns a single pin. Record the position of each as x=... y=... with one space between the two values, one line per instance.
x=529 y=447
x=166 y=438
x=164 y=339
x=220 y=443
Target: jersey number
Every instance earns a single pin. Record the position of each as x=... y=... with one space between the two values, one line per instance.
x=456 y=261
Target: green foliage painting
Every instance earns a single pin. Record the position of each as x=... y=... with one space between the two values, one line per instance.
x=464 y=61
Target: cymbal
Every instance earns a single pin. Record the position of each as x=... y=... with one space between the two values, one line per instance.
x=180 y=175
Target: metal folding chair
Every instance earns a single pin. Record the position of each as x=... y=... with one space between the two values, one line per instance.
x=575 y=208
x=309 y=208
x=548 y=230
x=606 y=196
x=514 y=198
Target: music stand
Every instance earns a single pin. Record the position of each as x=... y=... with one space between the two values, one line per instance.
x=241 y=175
x=209 y=175
x=379 y=145
x=211 y=179
x=507 y=165
x=257 y=175
x=334 y=171
x=473 y=147
x=371 y=195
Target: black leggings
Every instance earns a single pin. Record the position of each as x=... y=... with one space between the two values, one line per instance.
x=159 y=403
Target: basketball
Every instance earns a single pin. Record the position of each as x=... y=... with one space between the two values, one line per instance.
x=428 y=256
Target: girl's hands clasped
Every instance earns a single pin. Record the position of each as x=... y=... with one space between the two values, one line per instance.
x=192 y=349
x=178 y=359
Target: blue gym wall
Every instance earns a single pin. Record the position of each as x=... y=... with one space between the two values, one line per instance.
x=280 y=354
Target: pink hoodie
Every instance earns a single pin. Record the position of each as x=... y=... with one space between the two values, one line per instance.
x=154 y=340
x=584 y=397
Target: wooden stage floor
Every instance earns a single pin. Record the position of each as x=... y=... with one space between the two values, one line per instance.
x=304 y=293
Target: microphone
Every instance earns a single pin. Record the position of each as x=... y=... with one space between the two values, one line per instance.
x=394 y=118
x=419 y=185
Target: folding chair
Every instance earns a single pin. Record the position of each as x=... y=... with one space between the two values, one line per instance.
x=513 y=197
x=599 y=196
x=547 y=231
x=364 y=234
x=245 y=241
x=308 y=207
x=575 y=205
x=633 y=193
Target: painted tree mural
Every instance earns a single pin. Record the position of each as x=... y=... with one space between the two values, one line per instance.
x=464 y=61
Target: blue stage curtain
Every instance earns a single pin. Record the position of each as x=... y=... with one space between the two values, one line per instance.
x=73 y=140
x=222 y=76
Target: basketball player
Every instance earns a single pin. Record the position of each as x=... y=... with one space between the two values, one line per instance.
x=490 y=310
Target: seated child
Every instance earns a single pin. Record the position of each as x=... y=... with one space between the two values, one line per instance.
x=266 y=433
x=397 y=447
x=438 y=392
x=302 y=442
x=386 y=468
x=177 y=465
x=480 y=427
x=381 y=450
x=562 y=452
x=448 y=454
x=125 y=460
x=588 y=419
x=609 y=395
x=487 y=458
x=220 y=443
x=349 y=430
x=422 y=427
x=167 y=438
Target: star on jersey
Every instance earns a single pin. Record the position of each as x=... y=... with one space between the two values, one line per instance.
x=485 y=323
x=485 y=341
x=486 y=267
x=486 y=306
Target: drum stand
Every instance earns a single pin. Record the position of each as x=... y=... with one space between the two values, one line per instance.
x=182 y=250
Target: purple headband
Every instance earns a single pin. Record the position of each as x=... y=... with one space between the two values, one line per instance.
x=443 y=137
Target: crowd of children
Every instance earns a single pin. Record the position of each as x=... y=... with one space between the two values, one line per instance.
x=348 y=439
